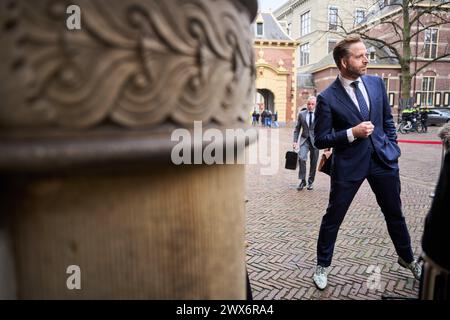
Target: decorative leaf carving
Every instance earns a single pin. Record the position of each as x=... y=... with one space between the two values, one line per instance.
x=138 y=63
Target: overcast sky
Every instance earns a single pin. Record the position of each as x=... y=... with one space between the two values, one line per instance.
x=265 y=5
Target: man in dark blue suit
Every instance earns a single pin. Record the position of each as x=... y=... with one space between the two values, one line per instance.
x=354 y=118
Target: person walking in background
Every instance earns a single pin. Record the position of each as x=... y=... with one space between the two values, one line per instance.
x=353 y=116
x=263 y=118
x=269 y=118
x=257 y=117
x=305 y=144
x=254 y=122
x=424 y=118
x=275 y=119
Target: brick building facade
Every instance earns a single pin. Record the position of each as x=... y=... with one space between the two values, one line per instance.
x=431 y=85
x=275 y=68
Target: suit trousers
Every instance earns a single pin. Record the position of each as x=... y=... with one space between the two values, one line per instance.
x=385 y=183
x=306 y=147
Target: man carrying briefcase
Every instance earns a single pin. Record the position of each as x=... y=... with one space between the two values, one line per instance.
x=305 y=144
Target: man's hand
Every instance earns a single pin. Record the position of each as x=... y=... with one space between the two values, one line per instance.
x=294 y=146
x=363 y=130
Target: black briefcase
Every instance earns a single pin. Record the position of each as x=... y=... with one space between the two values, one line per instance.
x=291 y=160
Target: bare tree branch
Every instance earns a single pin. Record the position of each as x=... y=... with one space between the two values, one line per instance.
x=395 y=25
x=401 y=27
x=426 y=27
x=420 y=8
x=384 y=44
x=382 y=48
x=430 y=62
x=390 y=45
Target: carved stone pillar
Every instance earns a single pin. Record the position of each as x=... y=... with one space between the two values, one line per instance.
x=86 y=118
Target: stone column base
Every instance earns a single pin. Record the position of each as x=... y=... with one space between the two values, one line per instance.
x=161 y=233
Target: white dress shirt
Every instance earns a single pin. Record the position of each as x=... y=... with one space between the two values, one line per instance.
x=307 y=123
x=346 y=83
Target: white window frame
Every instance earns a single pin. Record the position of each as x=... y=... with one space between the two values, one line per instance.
x=356 y=15
x=391 y=98
x=446 y=99
x=431 y=44
x=304 y=59
x=437 y=98
x=329 y=17
x=256 y=29
x=428 y=94
x=307 y=24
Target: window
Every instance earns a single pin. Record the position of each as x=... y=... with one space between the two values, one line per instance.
x=430 y=43
x=437 y=99
x=359 y=16
x=304 y=54
x=383 y=3
x=305 y=23
x=391 y=97
x=288 y=29
x=332 y=18
x=371 y=54
x=446 y=99
x=331 y=45
x=428 y=90
x=259 y=29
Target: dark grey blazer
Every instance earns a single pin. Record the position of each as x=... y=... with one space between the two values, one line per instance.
x=306 y=132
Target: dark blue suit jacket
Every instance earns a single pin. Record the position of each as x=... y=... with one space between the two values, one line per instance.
x=336 y=112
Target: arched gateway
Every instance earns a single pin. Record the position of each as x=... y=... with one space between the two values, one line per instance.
x=275 y=67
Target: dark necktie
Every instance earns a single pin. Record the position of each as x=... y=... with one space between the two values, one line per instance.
x=310 y=119
x=361 y=101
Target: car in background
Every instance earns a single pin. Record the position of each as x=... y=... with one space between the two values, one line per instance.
x=438 y=116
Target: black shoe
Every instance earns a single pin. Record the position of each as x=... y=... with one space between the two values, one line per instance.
x=301 y=185
x=310 y=186
x=414 y=266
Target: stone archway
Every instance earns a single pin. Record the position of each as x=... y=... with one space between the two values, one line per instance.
x=269 y=99
x=272 y=84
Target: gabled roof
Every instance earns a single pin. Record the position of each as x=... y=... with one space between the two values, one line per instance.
x=272 y=28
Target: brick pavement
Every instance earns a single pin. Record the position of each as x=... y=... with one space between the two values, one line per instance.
x=283 y=224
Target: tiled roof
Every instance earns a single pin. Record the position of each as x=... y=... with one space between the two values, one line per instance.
x=272 y=28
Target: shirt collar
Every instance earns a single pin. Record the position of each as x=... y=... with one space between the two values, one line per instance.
x=346 y=83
